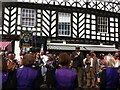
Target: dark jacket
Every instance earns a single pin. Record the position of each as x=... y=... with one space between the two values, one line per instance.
x=11 y=83
x=50 y=74
x=77 y=61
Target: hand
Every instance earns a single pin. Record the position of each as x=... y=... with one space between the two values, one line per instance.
x=11 y=65
x=76 y=56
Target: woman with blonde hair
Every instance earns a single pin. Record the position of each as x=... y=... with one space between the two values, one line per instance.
x=109 y=76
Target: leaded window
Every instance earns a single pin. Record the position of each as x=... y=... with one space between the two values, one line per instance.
x=102 y=24
x=64 y=24
x=28 y=17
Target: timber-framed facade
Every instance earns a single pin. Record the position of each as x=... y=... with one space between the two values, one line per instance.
x=85 y=17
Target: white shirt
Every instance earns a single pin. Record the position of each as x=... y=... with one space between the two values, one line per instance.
x=117 y=63
x=44 y=59
x=91 y=62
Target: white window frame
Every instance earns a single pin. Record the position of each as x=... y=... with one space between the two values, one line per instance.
x=64 y=24
x=29 y=16
x=102 y=24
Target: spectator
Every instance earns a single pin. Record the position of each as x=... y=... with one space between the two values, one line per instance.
x=65 y=77
x=117 y=61
x=3 y=73
x=50 y=74
x=77 y=58
x=119 y=73
x=11 y=62
x=109 y=76
x=102 y=61
x=38 y=60
x=44 y=60
x=21 y=58
x=102 y=66
x=12 y=67
x=92 y=69
x=37 y=65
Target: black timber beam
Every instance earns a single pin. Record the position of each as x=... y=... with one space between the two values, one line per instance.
x=60 y=8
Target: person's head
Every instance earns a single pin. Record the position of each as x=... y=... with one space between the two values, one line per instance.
x=42 y=52
x=87 y=55
x=116 y=54
x=37 y=55
x=77 y=49
x=50 y=57
x=102 y=55
x=11 y=56
x=28 y=60
x=92 y=53
x=110 y=61
x=54 y=55
x=47 y=52
x=64 y=59
x=22 y=53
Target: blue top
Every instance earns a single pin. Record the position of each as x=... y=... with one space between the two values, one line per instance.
x=65 y=79
x=4 y=76
x=26 y=77
x=111 y=77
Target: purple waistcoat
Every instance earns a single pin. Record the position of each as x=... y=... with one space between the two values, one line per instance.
x=65 y=79
x=111 y=77
x=26 y=77
x=4 y=78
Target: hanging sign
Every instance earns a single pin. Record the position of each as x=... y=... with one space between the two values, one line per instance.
x=26 y=39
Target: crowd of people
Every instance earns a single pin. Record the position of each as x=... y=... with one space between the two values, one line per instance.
x=60 y=72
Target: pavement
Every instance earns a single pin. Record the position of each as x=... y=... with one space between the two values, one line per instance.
x=44 y=87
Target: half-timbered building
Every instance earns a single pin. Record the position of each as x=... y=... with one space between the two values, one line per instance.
x=63 y=24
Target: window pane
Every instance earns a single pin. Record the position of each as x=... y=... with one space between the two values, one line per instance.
x=64 y=20
x=102 y=24
x=28 y=17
